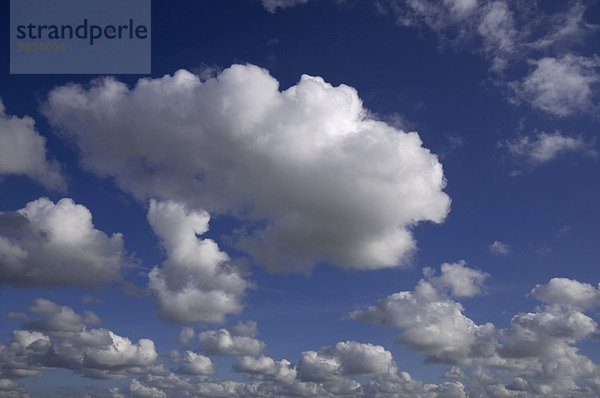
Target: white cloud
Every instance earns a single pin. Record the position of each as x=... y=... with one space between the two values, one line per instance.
x=434 y=324
x=542 y=333
x=197 y=282
x=498 y=33
x=265 y=368
x=233 y=341
x=57 y=318
x=195 y=364
x=344 y=359
x=536 y=356
x=509 y=33
x=119 y=352
x=541 y=344
x=568 y=292
x=461 y=280
x=454 y=373
x=566 y=28
x=537 y=353
x=546 y=147
x=139 y=390
x=47 y=244
x=67 y=343
x=246 y=329
x=273 y=5
x=499 y=248
x=561 y=86
x=310 y=175
x=23 y=151
x=186 y=335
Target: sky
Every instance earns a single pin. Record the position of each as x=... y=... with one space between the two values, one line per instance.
x=320 y=198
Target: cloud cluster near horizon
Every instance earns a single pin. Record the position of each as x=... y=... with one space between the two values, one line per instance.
x=535 y=355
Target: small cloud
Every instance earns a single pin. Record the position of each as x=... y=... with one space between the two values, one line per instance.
x=185 y=335
x=23 y=152
x=454 y=373
x=560 y=86
x=16 y=315
x=564 y=230
x=89 y=299
x=544 y=251
x=132 y=290
x=455 y=141
x=273 y=5
x=499 y=248
x=545 y=147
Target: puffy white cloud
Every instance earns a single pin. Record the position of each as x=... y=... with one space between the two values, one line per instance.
x=195 y=364
x=540 y=333
x=247 y=329
x=455 y=373
x=21 y=357
x=68 y=344
x=266 y=368
x=546 y=147
x=568 y=292
x=306 y=170
x=47 y=244
x=561 y=86
x=461 y=280
x=403 y=385
x=537 y=353
x=23 y=151
x=197 y=281
x=238 y=340
x=120 y=353
x=499 y=248
x=344 y=359
x=273 y=5
x=186 y=335
x=137 y=389
x=57 y=318
x=541 y=343
x=434 y=324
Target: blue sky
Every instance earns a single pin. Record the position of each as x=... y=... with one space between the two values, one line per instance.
x=310 y=198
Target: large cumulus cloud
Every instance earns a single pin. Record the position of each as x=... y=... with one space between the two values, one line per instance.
x=313 y=177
